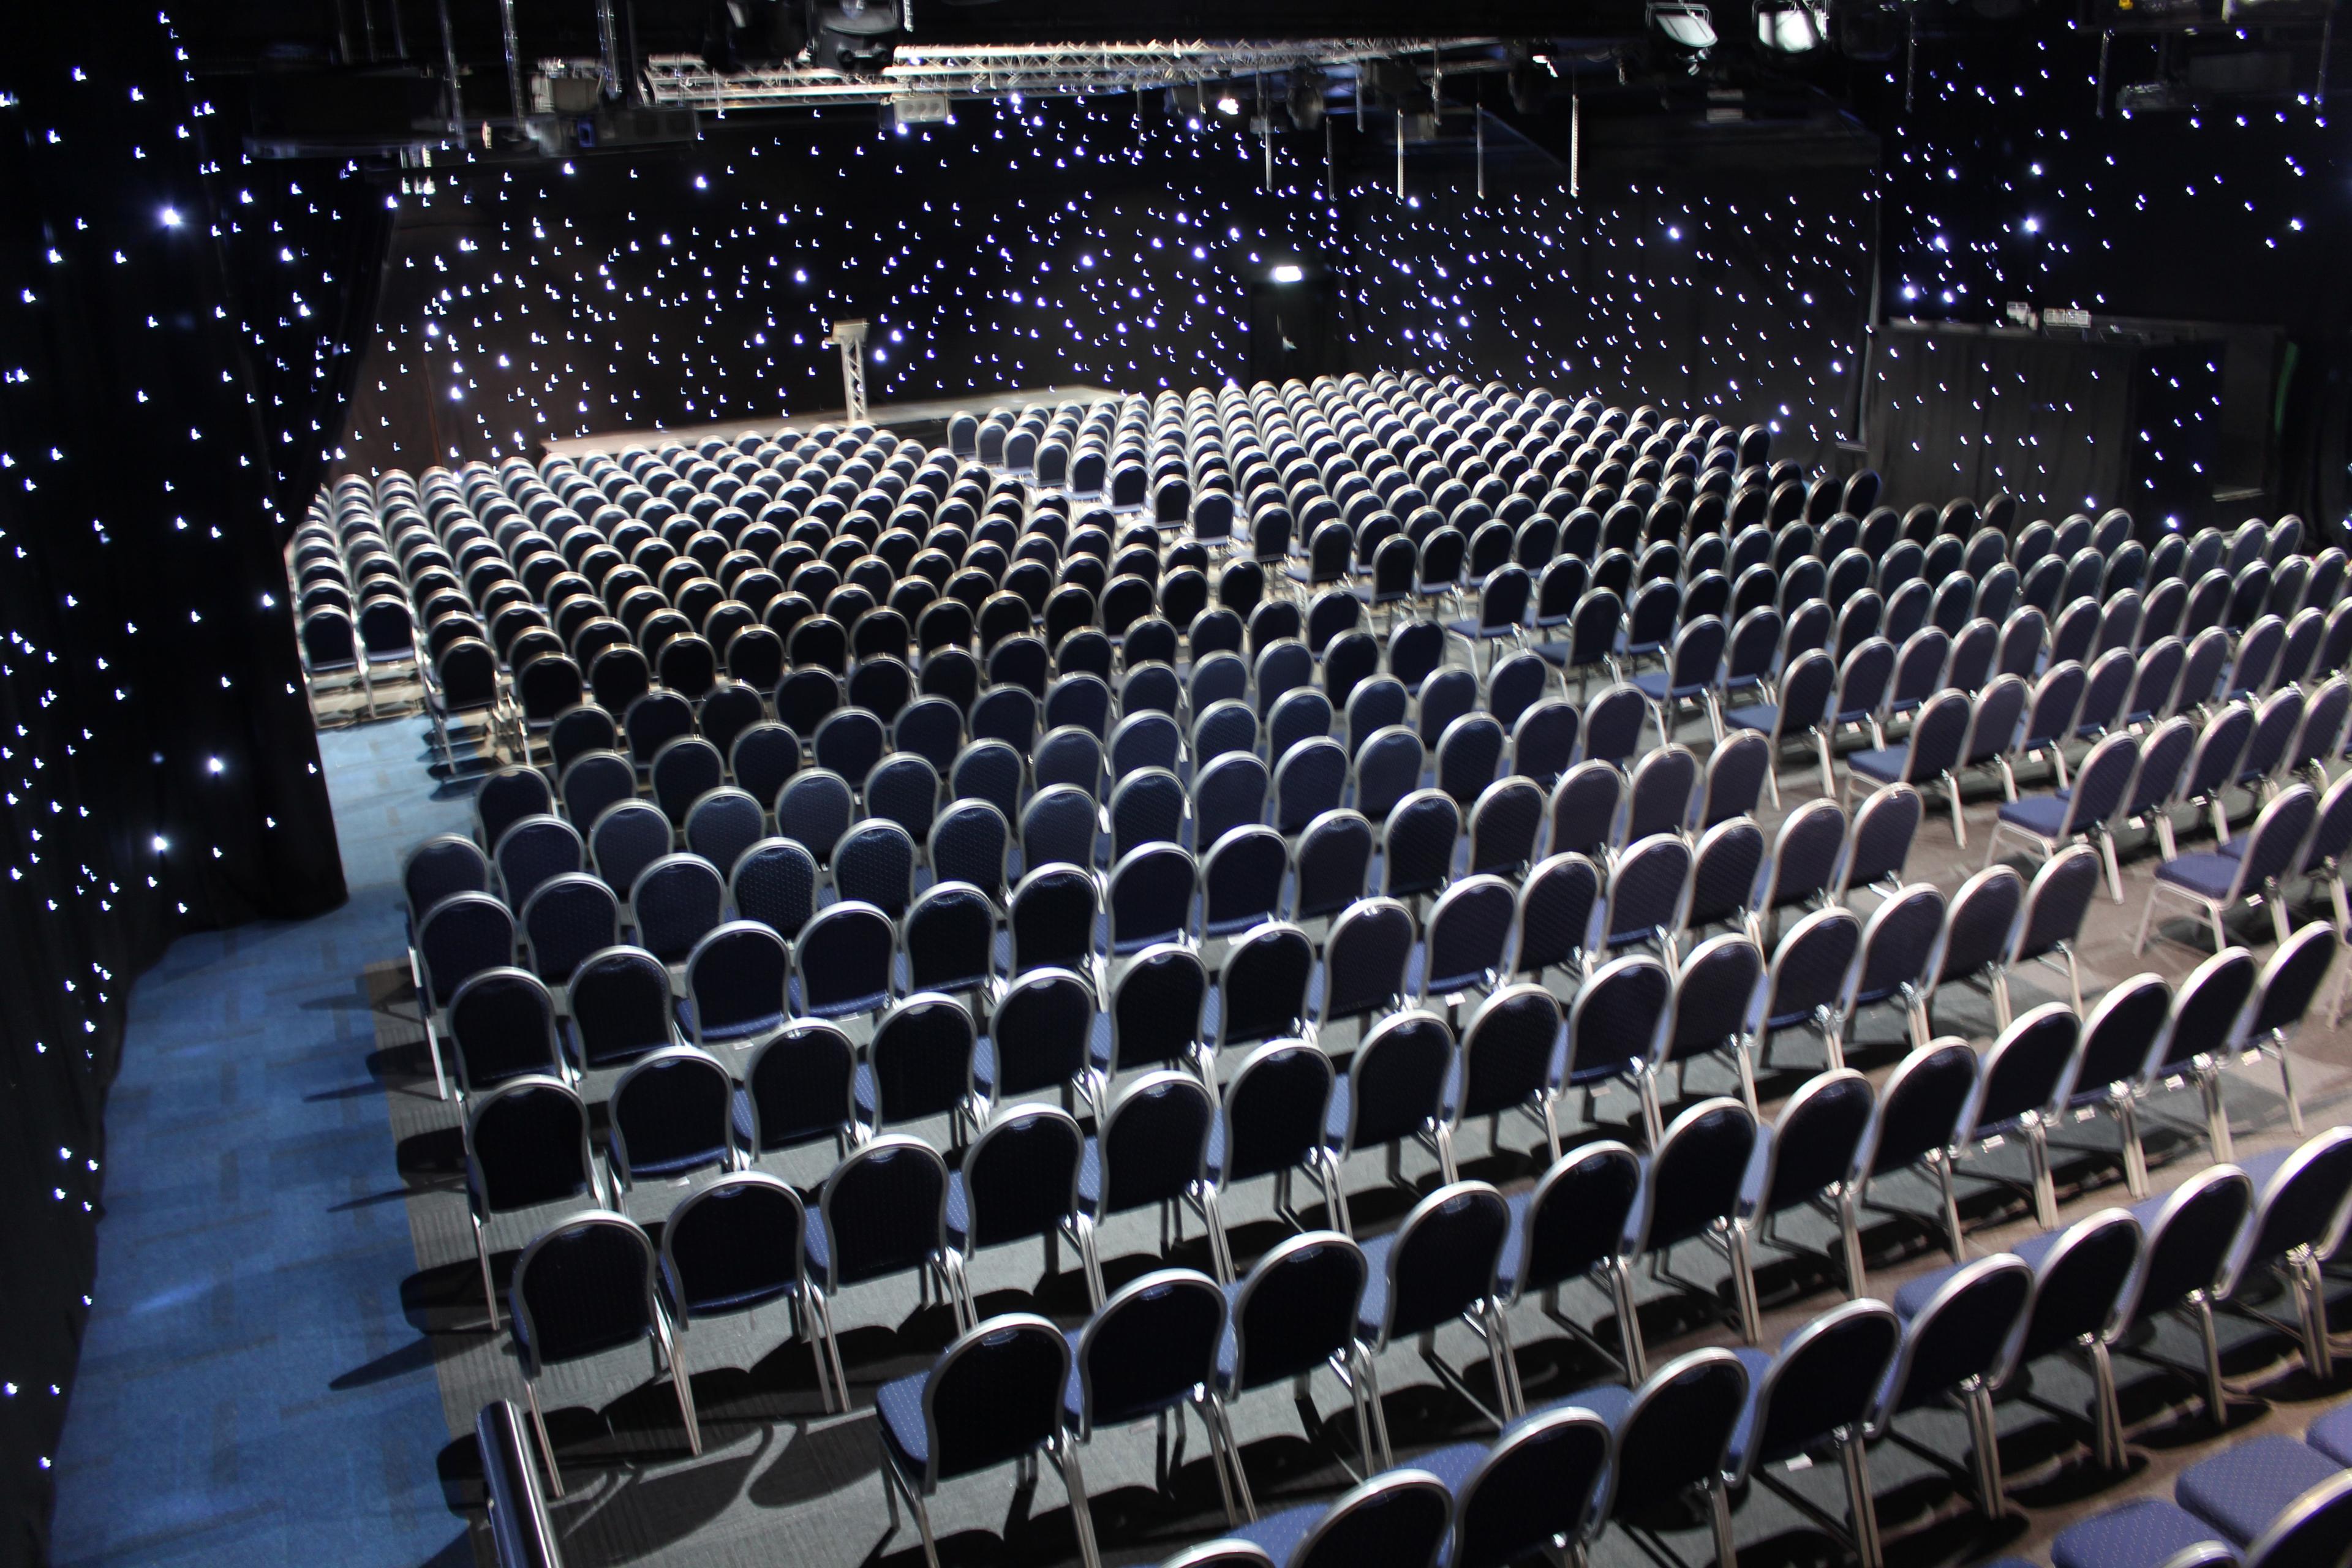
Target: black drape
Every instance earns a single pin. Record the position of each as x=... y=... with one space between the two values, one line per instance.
x=158 y=767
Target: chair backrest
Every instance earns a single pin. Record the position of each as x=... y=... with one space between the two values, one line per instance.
x=2120 y=1039
x=1898 y=944
x=1584 y=808
x=1021 y=1175
x=1963 y=1335
x=2189 y=1241
x=885 y=1210
x=1441 y=1261
x=1576 y=1219
x=1821 y=1385
x=1814 y=1144
x=734 y=1246
x=1815 y=966
x=2302 y=1205
x=994 y=1395
x=671 y=1114
x=1920 y=1110
x=1881 y=842
x=1366 y=951
x=1556 y=906
x=1506 y=1050
x=1418 y=841
x=2027 y=1070
x=1296 y=1307
x=2291 y=980
x=1539 y=1483
x=1399 y=1519
x=586 y=1286
x=2056 y=903
x=460 y=936
x=2078 y=1282
x=1148 y=1347
x=1675 y=1431
x=1980 y=925
x=1694 y=1177
x=2209 y=1009
x=527 y=1145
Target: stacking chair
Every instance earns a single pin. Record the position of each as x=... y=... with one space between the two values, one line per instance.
x=1818 y=1394
x=735 y=982
x=1809 y=1156
x=1555 y=917
x=1505 y=1065
x=2021 y=1092
x=1401 y=1519
x=1803 y=865
x=1880 y=844
x=526 y=1145
x=1148 y=1351
x=1539 y=1484
x=1671 y=1440
x=1811 y=981
x=1691 y=1191
x=993 y=1397
x=2297 y=1224
x=1018 y=1182
x=1436 y=1267
x=2215 y=881
x=590 y=1286
x=2082 y=812
x=1957 y=1338
x=1369 y=945
x=1979 y=932
x=462 y=935
x=1294 y=1315
x=2315 y=1526
x=736 y=1245
x=2191 y=1234
x=1917 y=1123
x=2120 y=1040
x=1392 y=1091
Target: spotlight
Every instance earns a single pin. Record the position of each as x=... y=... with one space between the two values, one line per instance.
x=1685 y=25
x=1228 y=105
x=1790 y=26
x=1289 y=272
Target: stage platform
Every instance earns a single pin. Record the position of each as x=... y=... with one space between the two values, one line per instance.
x=925 y=421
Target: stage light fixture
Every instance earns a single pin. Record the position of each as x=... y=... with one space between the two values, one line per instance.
x=1791 y=26
x=1228 y=105
x=1687 y=26
x=1289 y=272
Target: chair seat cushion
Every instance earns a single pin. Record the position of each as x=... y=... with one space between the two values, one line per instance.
x=1761 y=716
x=898 y=1405
x=1453 y=1463
x=1651 y=684
x=1374 y=1304
x=1884 y=764
x=2209 y=874
x=2332 y=1434
x=1743 y=1430
x=2143 y=1534
x=2040 y=814
x=2241 y=1488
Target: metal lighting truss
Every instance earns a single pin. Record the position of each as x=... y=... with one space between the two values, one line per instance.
x=996 y=70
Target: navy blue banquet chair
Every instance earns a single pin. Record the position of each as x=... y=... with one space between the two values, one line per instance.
x=1402 y=1518
x=1812 y=984
x=591 y=1286
x=1241 y=878
x=799 y=1087
x=881 y=1213
x=533 y=849
x=527 y=1146
x=993 y=1397
x=1149 y=1352
x=673 y=904
x=2119 y=1044
x=1506 y=1063
x=1364 y=960
x=874 y=863
x=1958 y=1337
x=843 y=962
x=1149 y=1150
x=735 y=983
x=775 y=883
x=1262 y=986
x=1583 y=809
x=735 y=1247
x=1294 y=1315
x=1554 y=925
x=1040 y=1034
x=620 y=1008
x=566 y=920
x=1572 y=1227
x=1691 y=1191
x=1917 y=1120
x=502 y=1026
x=1018 y=1182
x=672 y=1117
x=1809 y=1156
x=919 y=1065
x=459 y=937
x=1437 y=1268
x=1980 y=930
x=1271 y=1117
x=1392 y=1091
x=949 y=937
x=628 y=836
x=2209 y=1013
x=1539 y=1484
x=1815 y=1396
x=1157 y=1005
x=1670 y=1439
x=2297 y=1224
x=2215 y=881
x=1880 y=844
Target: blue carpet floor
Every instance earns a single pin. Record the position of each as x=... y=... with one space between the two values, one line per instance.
x=251 y=1390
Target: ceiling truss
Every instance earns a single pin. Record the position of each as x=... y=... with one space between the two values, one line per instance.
x=999 y=70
